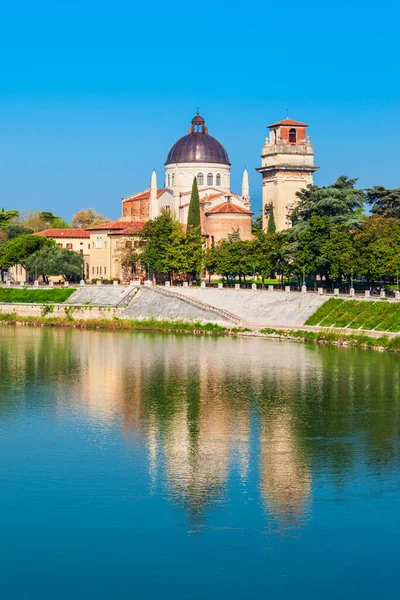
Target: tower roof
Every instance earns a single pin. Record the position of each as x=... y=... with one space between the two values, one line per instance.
x=197 y=146
x=288 y=123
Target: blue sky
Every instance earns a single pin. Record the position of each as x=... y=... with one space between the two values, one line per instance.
x=93 y=94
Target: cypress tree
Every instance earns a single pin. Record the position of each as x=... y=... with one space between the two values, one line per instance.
x=271 y=221
x=193 y=221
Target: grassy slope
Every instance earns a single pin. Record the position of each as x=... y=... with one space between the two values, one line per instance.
x=358 y=314
x=33 y=296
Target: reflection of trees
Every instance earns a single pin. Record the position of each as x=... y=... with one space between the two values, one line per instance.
x=32 y=357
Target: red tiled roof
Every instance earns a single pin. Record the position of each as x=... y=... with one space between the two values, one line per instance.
x=132 y=230
x=289 y=122
x=229 y=207
x=111 y=225
x=71 y=233
x=144 y=195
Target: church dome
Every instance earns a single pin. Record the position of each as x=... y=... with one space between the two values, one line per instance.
x=197 y=146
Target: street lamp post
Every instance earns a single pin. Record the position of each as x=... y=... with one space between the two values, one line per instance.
x=304 y=276
x=352 y=279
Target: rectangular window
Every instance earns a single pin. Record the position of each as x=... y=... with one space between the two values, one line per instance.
x=59 y=245
x=69 y=246
x=88 y=246
x=105 y=271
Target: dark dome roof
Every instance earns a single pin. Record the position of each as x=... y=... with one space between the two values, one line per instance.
x=198 y=146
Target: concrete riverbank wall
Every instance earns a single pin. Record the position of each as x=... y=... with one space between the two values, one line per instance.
x=229 y=307
x=261 y=307
x=60 y=310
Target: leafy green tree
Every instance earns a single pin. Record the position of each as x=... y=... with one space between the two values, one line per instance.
x=18 y=250
x=304 y=252
x=377 y=248
x=158 y=235
x=256 y=225
x=338 y=254
x=7 y=215
x=340 y=202
x=193 y=221
x=267 y=254
x=13 y=230
x=52 y=260
x=385 y=203
x=271 y=220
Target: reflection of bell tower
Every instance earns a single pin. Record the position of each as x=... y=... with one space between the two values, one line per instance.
x=287 y=166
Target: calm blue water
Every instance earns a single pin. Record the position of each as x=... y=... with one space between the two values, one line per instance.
x=150 y=466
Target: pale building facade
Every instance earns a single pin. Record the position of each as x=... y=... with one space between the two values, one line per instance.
x=287 y=166
x=105 y=243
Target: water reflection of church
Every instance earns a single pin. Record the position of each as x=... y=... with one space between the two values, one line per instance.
x=198 y=432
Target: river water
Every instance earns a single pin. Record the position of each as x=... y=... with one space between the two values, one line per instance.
x=176 y=467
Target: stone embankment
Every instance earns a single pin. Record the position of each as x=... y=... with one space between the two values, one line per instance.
x=60 y=310
x=161 y=304
x=101 y=295
x=253 y=309
x=258 y=308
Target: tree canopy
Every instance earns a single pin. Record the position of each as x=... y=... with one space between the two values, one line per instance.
x=7 y=215
x=88 y=217
x=52 y=260
x=340 y=202
x=384 y=202
x=19 y=249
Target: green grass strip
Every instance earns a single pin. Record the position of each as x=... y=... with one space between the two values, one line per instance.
x=323 y=311
x=35 y=296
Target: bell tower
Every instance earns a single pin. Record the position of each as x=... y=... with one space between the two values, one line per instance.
x=287 y=166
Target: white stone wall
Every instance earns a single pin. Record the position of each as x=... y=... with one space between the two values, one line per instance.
x=187 y=172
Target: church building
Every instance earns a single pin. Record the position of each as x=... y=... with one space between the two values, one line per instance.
x=196 y=155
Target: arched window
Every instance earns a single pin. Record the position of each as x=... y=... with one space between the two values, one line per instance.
x=218 y=179
x=200 y=179
x=210 y=179
x=169 y=180
x=292 y=136
x=173 y=179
